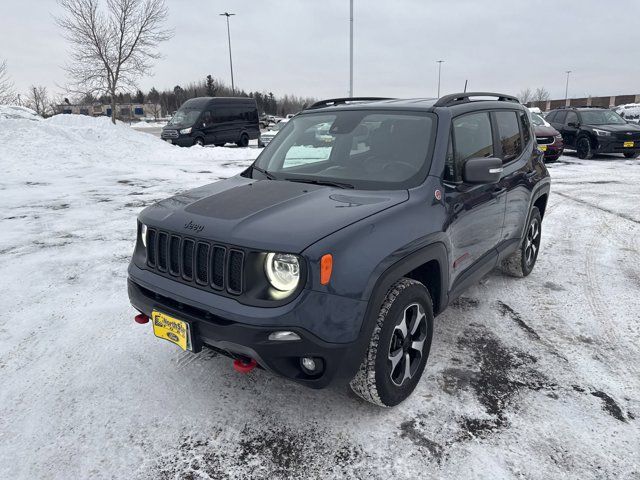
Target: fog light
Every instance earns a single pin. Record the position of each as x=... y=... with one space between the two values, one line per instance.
x=284 y=336
x=309 y=364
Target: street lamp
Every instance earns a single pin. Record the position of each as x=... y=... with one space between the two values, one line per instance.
x=566 y=90
x=351 y=49
x=439 y=62
x=226 y=14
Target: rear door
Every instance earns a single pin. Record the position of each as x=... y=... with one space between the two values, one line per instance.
x=476 y=212
x=570 y=129
x=557 y=121
x=517 y=151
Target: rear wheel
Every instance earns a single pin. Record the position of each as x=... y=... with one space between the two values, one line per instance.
x=399 y=345
x=521 y=262
x=583 y=148
x=244 y=141
x=631 y=154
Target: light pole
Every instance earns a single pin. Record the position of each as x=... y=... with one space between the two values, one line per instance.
x=227 y=14
x=566 y=90
x=351 y=49
x=439 y=62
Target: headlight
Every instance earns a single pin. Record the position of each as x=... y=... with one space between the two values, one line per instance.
x=283 y=271
x=601 y=133
x=186 y=131
x=143 y=234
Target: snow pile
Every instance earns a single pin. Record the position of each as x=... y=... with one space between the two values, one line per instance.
x=16 y=112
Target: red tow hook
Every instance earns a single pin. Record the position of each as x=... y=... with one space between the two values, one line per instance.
x=142 y=318
x=241 y=366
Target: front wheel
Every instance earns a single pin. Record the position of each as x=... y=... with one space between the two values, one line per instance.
x=631 y=154
x=583 y=148
x=399 y=346
x=521 y=262
x=199 y=141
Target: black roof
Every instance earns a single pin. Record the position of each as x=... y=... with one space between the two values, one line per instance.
x=200 y=102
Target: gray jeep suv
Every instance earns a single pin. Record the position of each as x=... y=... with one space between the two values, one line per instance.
x=327 y=260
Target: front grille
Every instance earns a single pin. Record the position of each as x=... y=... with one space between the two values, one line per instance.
x=625 y=137
x=169 y=134
x=545 y=140
x=203 y=264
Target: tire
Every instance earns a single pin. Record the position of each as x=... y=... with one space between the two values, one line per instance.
x=220 y=144
x=199 y=141
x=583 y=148
x=631 y=154
x=378 y=381
x=244 y=141
x=260 y=144
x=521 y=262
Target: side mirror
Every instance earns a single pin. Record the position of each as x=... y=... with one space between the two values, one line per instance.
x=573 y=124
x=482 y=170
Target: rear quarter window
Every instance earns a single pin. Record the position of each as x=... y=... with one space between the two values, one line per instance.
x=509 y=134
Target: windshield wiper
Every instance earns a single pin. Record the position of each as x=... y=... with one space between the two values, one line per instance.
x=267 y=174
x=329 y=183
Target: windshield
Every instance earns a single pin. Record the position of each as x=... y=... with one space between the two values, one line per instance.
x=538 y=120
x=601 y=117
x=364 y=149
x=185 y=116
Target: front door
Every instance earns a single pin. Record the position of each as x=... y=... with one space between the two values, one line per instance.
x=475 y=212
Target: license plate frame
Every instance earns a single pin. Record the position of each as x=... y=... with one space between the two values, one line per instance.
x=167 y=327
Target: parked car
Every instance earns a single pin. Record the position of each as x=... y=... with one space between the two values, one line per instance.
x=548 y=138
x=213 y=120
x=328 y=264
x=267 y=136
x=592 y=130
x=630 y=112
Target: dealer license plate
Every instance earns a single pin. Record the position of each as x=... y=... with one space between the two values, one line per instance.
x=542 y=148
x=172 y=329
x=628 y=144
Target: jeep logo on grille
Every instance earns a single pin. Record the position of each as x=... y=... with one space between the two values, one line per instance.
x=193 y=226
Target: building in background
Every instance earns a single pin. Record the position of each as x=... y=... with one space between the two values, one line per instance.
x=606 y=102
x=124 y=111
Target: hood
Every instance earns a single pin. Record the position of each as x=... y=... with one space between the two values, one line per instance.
x=176 y=126
x=618 y=127
x=542 y=131
x=268 y=215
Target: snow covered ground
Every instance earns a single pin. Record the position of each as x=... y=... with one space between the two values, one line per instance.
x=535 y=378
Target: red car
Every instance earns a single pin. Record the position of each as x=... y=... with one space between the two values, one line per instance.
x=549 y=139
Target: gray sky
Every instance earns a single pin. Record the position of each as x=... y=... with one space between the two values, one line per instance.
x=301 y=46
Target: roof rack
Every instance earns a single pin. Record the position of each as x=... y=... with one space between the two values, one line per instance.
x=331 y=102
x=456 y=98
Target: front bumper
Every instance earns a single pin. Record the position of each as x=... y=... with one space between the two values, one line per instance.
x=180 y=141
x=614 y=145
x=553 y=150
x=244 y=330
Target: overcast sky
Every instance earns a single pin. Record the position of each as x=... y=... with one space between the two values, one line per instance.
x=301 y=46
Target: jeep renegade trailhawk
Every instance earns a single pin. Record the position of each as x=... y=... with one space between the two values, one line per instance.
x=328 y=258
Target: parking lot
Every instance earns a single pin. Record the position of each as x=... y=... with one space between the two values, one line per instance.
x=531 y=378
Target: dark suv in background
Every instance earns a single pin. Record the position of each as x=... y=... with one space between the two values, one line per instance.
x=326 y=261
x=593 y=130
x=213 y=120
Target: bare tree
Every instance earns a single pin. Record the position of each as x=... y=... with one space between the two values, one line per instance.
x=541 y=95
x=38 y=100
x=525 y=95
x=111 y=49
x=7 y=93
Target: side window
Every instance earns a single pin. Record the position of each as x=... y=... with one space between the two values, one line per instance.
x=525 y=126
x=571 y=117
x=509 y=132
x=206 y=118
x=471 y=138
x=551 y=117
x=560 y=116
